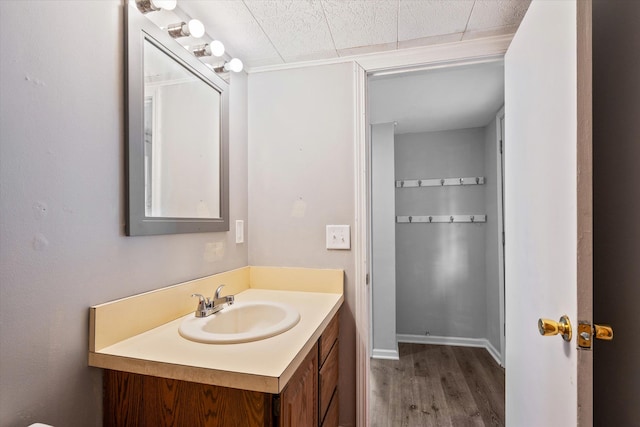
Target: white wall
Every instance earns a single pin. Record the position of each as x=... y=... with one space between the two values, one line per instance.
x=301 y=178
x=383 y=242
x=62 y=195
x=441 y=275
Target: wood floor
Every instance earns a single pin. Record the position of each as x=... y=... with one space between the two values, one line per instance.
x=436 y=385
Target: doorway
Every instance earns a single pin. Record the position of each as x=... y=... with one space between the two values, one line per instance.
x=436 y=215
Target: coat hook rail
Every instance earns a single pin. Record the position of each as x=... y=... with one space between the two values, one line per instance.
x=439 y=182
x=440 y=218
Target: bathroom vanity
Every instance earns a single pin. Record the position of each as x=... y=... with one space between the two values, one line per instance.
x=155 y=377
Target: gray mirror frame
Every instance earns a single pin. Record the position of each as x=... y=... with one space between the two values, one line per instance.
x=137 y=29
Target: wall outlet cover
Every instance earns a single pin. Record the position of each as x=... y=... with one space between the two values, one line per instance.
x=338 y=237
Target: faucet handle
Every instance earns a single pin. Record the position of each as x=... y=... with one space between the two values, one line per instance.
x=203 y=305
x=203 y=301
x=217 y=294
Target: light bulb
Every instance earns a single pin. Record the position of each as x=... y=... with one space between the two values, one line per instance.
x=196 y=28
x=164 y=4
x=234 y=65
x=217 y=48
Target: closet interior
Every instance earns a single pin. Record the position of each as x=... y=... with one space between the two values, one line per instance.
x=436 y=208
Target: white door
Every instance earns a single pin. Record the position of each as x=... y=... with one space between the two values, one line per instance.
x=541 y=215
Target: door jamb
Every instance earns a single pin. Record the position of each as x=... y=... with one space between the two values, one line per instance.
x=501 y=249
x=584 y=160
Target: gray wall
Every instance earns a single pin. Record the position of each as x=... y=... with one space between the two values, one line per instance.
x=441 y=273
x=383 y=242
x=616 y=232
x=301 y=178
x=62 y=192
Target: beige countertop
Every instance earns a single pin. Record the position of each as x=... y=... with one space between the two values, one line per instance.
x=265 y=365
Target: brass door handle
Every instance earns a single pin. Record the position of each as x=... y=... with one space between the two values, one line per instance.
x=548 y=327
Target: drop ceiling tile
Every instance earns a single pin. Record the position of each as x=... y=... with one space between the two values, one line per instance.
x=295 y=27
x=359 y=23
x=426 y=18
x=233 y=24
x=497 y=13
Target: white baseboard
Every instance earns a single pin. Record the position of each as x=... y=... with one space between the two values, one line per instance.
x=458 y=341
x=494 y=353
x=377 y=353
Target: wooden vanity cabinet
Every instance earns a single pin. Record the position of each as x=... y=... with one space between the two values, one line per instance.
x=309 y=399
x=328 y=376
x=298 y=402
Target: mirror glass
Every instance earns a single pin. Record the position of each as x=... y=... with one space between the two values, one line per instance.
x=181 y=140
x=177 y=136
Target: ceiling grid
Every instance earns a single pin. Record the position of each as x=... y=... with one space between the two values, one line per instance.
x=272 y=32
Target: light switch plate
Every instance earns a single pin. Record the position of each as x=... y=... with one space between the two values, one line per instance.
x=338 y=237
x=239 y=231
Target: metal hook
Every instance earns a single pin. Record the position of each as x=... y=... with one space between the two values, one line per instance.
x=477 y=180
x=442 y=182
x=461 y=181
x=410 y=218
x=430 y=218
x=419 y=183
x=472 y=218
x=451 y=218
x=401 y=183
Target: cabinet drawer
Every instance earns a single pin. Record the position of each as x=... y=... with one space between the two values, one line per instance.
x=327 y=339
x=328 y=380
x=331 y=419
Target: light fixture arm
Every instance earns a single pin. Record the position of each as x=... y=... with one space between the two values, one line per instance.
x=182 y=29
x=178 y=30
x=202 y=50
x=146 y=6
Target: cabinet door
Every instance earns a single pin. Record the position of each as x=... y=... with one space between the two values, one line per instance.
x=145 y=401
x=299 y=400
x=328 y=380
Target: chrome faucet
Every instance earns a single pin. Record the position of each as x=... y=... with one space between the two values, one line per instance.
x=207 y=307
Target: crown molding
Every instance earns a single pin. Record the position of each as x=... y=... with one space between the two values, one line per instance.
x=387 y=61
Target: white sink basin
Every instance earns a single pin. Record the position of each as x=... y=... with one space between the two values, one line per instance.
x=241 y=322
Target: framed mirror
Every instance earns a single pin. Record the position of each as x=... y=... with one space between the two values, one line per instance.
x=177 y=136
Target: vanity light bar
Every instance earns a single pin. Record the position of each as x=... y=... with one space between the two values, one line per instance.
x=194 y=28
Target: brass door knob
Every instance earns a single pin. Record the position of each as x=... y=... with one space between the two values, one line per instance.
x=549 y=327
